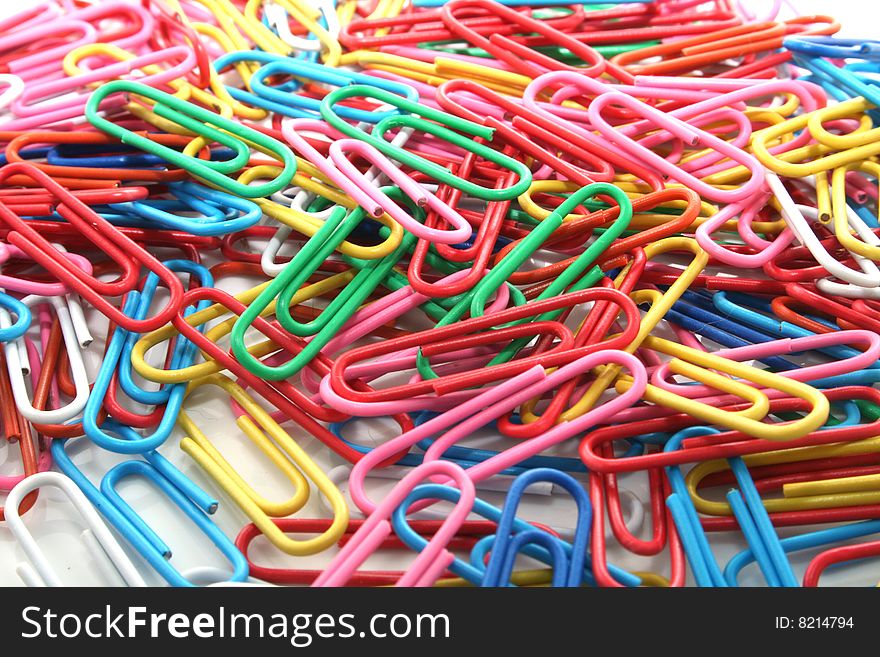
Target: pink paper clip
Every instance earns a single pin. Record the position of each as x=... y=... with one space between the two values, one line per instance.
x=40 y=12
x=361 y=190
x=45 y=62
x=130 y=25
x=690 y=135
x=34 y=112
x=24 y=286
x=493 y=403
x=433 y=560
x=744 y=215
x=461 y=228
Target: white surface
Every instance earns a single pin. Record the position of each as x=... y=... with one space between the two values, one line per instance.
x=55 y=526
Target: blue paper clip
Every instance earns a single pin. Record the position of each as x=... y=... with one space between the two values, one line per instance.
x=473 y=572
x=750 y=514
x=136 y=306
x=22 y=318
x=28 y=153
x=830 y=75
x=833 y=47
x=221 y=213
x=705 y=567
x=184 y=350
x=284 y=100
x=305 y=107
x=808 y=541
x=183 y=492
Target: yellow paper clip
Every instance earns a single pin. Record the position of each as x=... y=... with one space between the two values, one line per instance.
x=285 y=454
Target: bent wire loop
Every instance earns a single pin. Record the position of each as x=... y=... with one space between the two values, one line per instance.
x=194 y=503
x=206 y=124
x=433 y=559
x=507 y=543
x=39 y=572
x=284 y=453
x=107 y=238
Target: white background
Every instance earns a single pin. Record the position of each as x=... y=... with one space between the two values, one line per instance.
x=57 y=529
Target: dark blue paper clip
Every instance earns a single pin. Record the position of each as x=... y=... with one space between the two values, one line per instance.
x=113 y=156
x=184 y=350
x=473 y=572
x=102 y=156
x=695 y=313
x=506 y=544
x=28 y=153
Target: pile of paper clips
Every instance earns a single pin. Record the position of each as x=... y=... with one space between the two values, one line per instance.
x=634 y=242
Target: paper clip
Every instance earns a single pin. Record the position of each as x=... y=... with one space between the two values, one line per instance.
x=204 y=123
x=506 y=544
x=39 y=106
x=48 y=60
x=275 y=443
x=428 y=26
x=753 y=520
x=519 y=57
x=194 y=502
x=337 y=392
x=39 y=572
x=433 y=560
x=108 y=239
x=837 y=556
x=282 y=289
x=686 y=55
x=222 y=213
